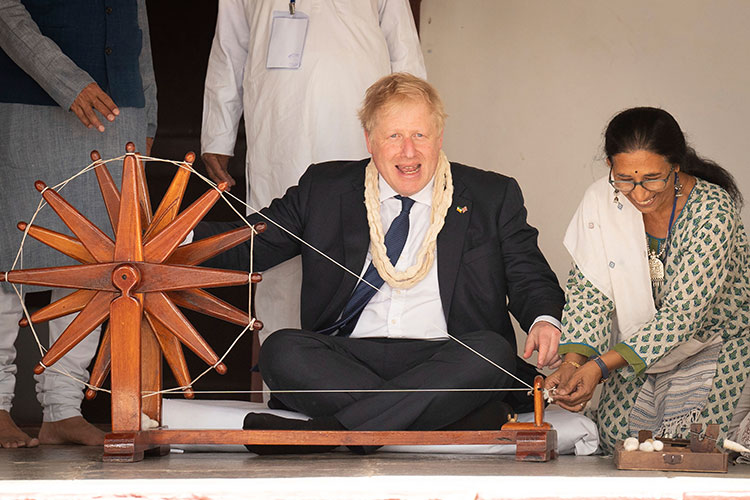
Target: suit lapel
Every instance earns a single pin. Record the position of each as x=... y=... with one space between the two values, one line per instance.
x=450 y=244
x=356 y=239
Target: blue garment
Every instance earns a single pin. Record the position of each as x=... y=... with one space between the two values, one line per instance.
x=103 y=40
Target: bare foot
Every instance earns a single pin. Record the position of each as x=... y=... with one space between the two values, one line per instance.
x=74 y=430
x=13 y=437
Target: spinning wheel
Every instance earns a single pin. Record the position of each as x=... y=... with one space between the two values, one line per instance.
x=139 y=280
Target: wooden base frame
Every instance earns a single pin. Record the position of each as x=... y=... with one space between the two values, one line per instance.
x=139 y=280
x=532 y=445
x=535 y=441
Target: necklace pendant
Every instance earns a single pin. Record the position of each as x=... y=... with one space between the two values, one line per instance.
x=655 y=268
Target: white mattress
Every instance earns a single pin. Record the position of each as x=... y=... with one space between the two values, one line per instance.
x=576 y=434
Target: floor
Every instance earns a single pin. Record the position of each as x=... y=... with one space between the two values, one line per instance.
x=63 y=472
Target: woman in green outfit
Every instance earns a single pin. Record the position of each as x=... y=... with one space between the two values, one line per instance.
x=658 y=300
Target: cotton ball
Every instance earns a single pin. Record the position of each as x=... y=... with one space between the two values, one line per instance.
x=148 y=423
x=630 y=444
x=658 y=445
x=646 y=446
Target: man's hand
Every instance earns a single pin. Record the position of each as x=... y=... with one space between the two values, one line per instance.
x=149 y=145
x=94 y=98
x=218 y=168
x=544 y=338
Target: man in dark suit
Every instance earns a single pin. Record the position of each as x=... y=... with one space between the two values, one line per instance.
x=458 y=256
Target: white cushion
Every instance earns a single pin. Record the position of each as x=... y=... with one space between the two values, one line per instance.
x=576 y=434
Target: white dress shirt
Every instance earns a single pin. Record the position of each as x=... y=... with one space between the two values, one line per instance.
x=416 y=312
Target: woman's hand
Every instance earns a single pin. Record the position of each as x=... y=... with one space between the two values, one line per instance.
x=561 y=375
x=577 y=389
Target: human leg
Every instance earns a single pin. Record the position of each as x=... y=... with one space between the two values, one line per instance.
x=299 y=360
x=444 y=365
x=293 y=359
x=60 y=395
x=10 y=312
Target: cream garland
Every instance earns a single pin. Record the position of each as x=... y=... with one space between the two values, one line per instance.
x=442 y=197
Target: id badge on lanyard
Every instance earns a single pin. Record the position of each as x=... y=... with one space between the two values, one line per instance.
x=287 y=42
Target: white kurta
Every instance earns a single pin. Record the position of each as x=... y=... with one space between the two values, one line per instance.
x=295 y=117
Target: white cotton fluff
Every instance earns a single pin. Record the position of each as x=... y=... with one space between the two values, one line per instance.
x=646 y=446
x=148 y=423
x=630 y=444
x=733 y=446
x=658 y=445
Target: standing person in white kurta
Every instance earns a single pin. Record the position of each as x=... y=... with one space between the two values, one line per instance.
x=296 y=117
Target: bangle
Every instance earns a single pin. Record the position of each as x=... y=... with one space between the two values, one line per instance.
x=602 y=367
x=571 y=363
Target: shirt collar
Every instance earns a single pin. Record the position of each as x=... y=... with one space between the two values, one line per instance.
x=423 y=196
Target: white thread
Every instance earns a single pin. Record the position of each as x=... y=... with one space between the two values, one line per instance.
x=338 y=391
x=250 y=284
x=226 y=353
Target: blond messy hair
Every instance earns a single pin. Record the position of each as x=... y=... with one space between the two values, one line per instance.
x=397 y=88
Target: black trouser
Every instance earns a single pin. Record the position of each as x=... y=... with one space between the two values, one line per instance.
x=300 y=359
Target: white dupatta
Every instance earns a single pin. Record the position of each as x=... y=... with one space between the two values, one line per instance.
x=600 y=238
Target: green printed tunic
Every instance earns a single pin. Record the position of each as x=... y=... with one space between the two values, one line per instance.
x=706 y=290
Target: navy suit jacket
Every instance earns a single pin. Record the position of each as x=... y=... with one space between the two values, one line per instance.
x=489 y=264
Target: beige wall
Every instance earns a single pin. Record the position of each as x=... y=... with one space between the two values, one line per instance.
x=530 y=85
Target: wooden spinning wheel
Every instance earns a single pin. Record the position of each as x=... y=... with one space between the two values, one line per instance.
x=139 y=280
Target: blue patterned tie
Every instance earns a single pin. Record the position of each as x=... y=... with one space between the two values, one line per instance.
x=395 y=239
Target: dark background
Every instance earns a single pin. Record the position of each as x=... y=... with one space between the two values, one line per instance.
x=181 y=36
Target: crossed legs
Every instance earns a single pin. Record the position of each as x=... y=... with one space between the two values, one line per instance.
x=298 y=359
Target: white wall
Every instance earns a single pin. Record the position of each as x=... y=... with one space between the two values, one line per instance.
x=530 y=85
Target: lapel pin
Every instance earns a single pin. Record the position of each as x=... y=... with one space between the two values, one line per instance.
x=462 y=210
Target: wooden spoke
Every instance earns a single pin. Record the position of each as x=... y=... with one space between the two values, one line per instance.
x=128 y=246
x=170 y=203
x=206 y=303
x=69 y=304
x=110 y=193
x=63 y=243
x=95 y=312
x=172 y=350
x=101 y=366
x=194 y=253
x=95 y=241
x=163 y=277
x=88 y=276
x=151 y=371
x=158 y=304
x=144 y=199
x=164 y=243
